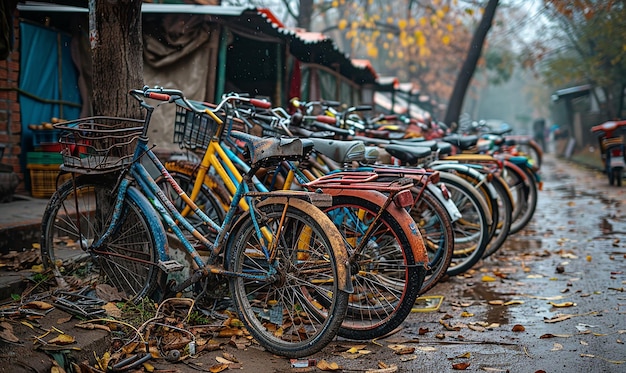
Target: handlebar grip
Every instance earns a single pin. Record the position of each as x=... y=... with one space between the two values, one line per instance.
x=260 y=103
x=363 y=108
x=158 y=96
x=326 y=119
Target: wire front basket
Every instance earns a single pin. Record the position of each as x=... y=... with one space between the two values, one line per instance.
x=192 y=130
x=98 y=144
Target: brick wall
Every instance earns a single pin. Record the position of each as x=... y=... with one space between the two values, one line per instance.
x=10 y=122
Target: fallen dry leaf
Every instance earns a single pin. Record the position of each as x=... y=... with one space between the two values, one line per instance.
x=218 y=368
x=460 y=366
x=112 y=310
x=562 y=305
x=6 y=332
x=545 y=336
x=222 y=360
x=230 y=357
x=383 y=368
x=557 y=318
x=327 y=366
x=62 y=339
x=37 y=304
x=476 y=328
x=487 y=278
x=518 y=328
x=557 y=347
x=355 y=349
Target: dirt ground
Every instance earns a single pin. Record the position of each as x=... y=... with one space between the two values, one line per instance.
x=551 y=300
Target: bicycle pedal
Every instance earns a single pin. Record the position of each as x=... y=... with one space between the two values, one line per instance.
x=170 y=266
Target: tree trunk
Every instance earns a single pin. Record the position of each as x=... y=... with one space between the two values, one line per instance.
x=305 y=13
x=467 y=70
x=117 y=54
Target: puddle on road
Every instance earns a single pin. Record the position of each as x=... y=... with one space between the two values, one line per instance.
x=520 y=245
x=565 y=191
x=484 y=293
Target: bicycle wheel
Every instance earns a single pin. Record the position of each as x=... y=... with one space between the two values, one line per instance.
x=471 y=231
x=282 y=313
x=523 y=186
x=77 y=214
x=385 y=275
x=505 y=216
x=436 y=229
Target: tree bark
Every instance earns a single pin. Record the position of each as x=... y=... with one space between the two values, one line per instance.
x=117 y=54
x=305 y=13
x=469 y=66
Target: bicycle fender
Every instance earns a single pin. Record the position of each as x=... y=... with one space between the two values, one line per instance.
x=448 y=175
x=517 y=169
x=469 y=171
x=447 y=204
x=153 y=219
x=335 y=238
x=401 y=215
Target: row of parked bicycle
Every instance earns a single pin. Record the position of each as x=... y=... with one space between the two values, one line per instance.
x=310 y=222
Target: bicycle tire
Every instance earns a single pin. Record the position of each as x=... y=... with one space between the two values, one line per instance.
x=481 y=185
x=471 y=232
x=529 y=202
x=308 y=265
x=386 y=277
x=505 y=216
x=436 y=229
x=76 y=215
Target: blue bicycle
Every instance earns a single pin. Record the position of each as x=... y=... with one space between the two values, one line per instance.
x=282 y=263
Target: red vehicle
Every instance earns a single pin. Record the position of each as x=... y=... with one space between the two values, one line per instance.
x=611 y=139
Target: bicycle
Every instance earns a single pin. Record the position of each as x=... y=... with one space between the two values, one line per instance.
x=386 y=252
x=283 y=260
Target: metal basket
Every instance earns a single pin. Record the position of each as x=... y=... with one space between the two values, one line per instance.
x=98 y=144
x=193 y=130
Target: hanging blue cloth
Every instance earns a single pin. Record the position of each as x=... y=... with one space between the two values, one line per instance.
x=42 y=51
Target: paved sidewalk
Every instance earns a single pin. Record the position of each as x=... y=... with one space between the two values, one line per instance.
x=19 y=222
x=20 y=226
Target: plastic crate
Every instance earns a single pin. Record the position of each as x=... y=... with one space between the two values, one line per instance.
x=44 y=158
x=43 y=179
x=47 y=140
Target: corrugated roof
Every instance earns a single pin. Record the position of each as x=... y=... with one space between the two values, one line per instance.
x=571 y=92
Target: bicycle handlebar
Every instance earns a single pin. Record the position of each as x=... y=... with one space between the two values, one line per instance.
x=171 y=95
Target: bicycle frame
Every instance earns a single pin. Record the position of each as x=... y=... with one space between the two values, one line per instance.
x=367 y=187
x=173 y=218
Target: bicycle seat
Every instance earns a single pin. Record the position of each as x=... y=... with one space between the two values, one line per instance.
x=463 y=142
x=340 y=151
x=443 y=147
x=408 y=154
x=267 y=151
